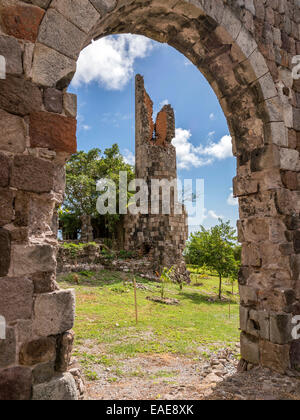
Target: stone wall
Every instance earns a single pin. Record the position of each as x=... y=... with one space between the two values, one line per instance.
x=244 y=49
x=161 y=237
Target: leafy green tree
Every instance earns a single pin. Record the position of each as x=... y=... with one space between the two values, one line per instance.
x=83 y=171
x=217 y=249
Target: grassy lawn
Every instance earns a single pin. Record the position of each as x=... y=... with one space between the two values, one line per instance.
x=105 y=317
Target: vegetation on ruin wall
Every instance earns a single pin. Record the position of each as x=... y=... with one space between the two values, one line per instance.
x=83 y=171
x=105 y=317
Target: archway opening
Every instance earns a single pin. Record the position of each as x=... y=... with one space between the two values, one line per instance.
x=116 y=340
x=256 y=89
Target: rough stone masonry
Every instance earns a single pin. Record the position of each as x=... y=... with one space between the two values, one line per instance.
x=245 y=49
x=161 y=237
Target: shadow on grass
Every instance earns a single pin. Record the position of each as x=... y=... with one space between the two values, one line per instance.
x=197 y=298
x=99 y=279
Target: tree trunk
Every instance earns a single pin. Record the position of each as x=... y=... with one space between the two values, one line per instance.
x=220 y=287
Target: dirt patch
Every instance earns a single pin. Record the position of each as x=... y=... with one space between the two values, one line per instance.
x=172 y=377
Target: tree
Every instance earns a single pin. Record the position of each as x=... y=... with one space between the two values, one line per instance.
x=216 y=248
x=82 y=173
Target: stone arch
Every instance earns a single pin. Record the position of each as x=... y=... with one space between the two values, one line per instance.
x=245 y=52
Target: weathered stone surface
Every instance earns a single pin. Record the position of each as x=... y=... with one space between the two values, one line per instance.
x=5 y=249
x=4 y=170
x=8 y=349
x=275 y=357
x=19 y=96
x=22 y=21
x=281 y=328
x=16 y=298
x=39 y=351
x=43 y=372
x=70 y=105
x=54 y=313
x=79 y=12
x=32 y=174
x=58 y=33
x=104 y=6
x=61 y=388
x=11 y=50
x=50 y=68
x=12 y=133
x=6 y=206
x=54 y=132
x=250 y=349
x=44 y=282
x=53 y=100
x=65 y=346
x=295 y=355
x=248 y=294
x=15 y=384
x=30 y=259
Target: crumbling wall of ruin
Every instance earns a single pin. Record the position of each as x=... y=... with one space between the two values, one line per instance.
x=162 y=237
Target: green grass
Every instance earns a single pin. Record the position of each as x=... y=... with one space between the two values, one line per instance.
x=105 y=316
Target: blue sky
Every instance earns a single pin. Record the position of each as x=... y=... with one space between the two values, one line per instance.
x=104 y=83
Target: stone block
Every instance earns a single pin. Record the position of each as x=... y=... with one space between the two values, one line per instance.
x=44 y=282
x=53 y=100
x=10 y=49
x=16 y=298
x=295 y=355
x=281 y=328
x=250 y=349
x=275 y=357
x=70 y=105
x=267 y=157
x=30 y=259
x=289 y=159
x=22 y=21
x=244 y=314
x=32 y=174
x=8 y=348
x=258 y=324
x=248 y=295
x=54 y=313
x=19 y=96
x=43 y=372
x=50 y=68
x=12 y=133
x=39 y=351
x=15 y=384
x=244 y=186
x=5 y=252
x=4 y=170
x=53 y=132
x=6 y=206
x=58 y=33
x=79 y=12
x=61 y=388
x=104 y=6
x=65 y=346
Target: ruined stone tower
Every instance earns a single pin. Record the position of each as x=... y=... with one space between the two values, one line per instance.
x=160 y=236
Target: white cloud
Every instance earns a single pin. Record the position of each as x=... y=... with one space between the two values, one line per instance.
x=189 y=156
x=232 y=201
x=110 y=61
x=212 y=116
x=214 y=215
x=129 y=157
x=221 y=150
x=164 y=102
x=86 y=127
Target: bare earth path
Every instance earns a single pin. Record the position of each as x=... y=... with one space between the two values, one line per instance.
x=171 y=377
